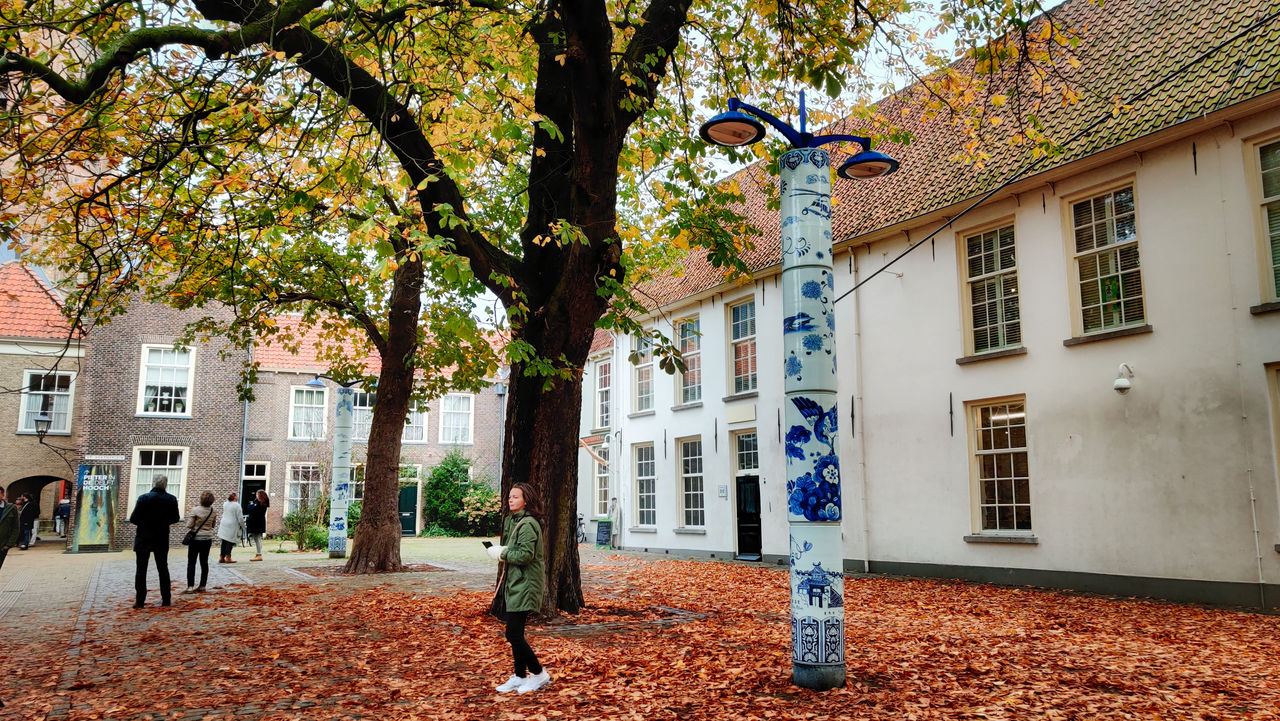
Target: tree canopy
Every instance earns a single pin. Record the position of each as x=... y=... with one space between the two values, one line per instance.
x=377 y=164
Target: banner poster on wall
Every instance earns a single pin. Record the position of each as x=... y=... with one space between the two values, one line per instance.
x=96 y=488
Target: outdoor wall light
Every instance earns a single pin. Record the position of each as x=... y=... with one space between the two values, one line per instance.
x=737 y=127
x=42 y=421
x=1122 y=383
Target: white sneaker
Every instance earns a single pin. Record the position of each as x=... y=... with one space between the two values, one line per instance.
x=511 y=684
x=535 y=682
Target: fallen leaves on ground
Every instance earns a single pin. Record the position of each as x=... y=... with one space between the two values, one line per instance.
x=674 y=640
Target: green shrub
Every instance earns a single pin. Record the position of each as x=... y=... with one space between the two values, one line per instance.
x=317 y=538
x=353 y=517
x=443 y=492
x=482 y=510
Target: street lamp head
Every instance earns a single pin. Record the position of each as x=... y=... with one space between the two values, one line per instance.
x=315 y=382
x=732 y=129
x=867 y=164
x=43 y=421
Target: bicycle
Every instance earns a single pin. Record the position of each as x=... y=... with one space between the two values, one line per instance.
x=582 y=529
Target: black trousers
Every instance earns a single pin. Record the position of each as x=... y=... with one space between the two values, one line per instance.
x=198 y=550
x=3 y=552
x=525 y=660
x=226 y=549
x=162 y=568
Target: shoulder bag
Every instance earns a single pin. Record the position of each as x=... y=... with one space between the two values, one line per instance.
x=191 y=535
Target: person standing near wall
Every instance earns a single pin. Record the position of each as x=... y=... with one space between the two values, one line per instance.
x=28 y=515
x=9 y=527
x=60 y=516
x=154 y=512
x=256 y=521
x=200 y=520
x=231 y=527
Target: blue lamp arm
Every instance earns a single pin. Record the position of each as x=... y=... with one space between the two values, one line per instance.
x=824 y=139
x=791 y=135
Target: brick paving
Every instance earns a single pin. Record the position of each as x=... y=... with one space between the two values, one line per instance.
x=50 y=599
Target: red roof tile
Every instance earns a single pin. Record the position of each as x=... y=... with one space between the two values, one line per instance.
x=28 y=307
x=601 y=340
x=1183 y=54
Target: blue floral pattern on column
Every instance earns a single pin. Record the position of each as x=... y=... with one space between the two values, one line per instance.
x=809 y=378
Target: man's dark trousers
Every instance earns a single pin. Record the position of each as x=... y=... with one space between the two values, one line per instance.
x=162 y=568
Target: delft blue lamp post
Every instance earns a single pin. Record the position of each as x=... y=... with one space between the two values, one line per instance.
x=340 y=489
x=809 y=367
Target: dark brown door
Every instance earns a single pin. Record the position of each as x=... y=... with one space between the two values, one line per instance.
x=748 y=519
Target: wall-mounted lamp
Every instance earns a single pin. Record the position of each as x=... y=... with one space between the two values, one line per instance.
x=1123 y=376
x=43 y=421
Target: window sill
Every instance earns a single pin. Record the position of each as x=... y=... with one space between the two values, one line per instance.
x=641 y=414
x=162 y=415
x=604 y=431
x=458 y=443
x=306 y=440
x=1264 y=308
x=642 y=529
x=50 y=434
x=691 y=531
x=740 y=396
x=991 y=355
x=687 y=406
x=979 y=538
x=413 y=443
x=1108 y=335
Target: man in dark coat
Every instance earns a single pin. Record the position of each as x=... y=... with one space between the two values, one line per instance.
x=28 y=515
x=8 y=527
x=153 y=514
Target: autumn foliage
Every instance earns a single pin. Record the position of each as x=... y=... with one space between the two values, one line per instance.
x=661 y=640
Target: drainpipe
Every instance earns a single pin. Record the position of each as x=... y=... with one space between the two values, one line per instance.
x=859 y=414
x=244 y=428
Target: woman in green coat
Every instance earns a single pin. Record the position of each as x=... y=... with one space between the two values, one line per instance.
x=522 y=584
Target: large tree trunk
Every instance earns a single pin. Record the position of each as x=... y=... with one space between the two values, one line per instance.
x=542 y=438
x=376 y=546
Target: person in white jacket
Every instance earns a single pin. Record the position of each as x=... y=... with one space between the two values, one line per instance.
x=229 y=530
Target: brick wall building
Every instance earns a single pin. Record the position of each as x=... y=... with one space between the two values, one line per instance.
x=152 y=409
x=40 y=363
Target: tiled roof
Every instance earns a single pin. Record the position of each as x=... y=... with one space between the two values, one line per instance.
x=28 y=307
x=270 y=352
x=601 y=340
x=1127 y=47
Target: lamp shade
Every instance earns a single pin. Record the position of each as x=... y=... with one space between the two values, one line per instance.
x=315 y=383
x=867 y=164
x=42 y=422
x=732 y=129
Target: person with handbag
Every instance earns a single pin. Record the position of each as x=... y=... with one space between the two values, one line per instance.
x=199 y=540
x=521 y=584
x=256 y=520
x=229 y=530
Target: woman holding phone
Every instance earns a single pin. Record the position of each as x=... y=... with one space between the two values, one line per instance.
x=523 y=581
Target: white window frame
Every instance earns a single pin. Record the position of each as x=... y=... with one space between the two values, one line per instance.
x=177 y=474
x=324 y=412
x=289 y=482
x=420 y=410
x=356 y=488
x=604 y=387
x=142 y=381
x=601 y=480
x=739 y=467
x=26 y=413
x=1081 y=259
x=645 y=467
x=1268 y=237
x=691 y=470
x=471 y=419
x=265 y=477
x=362 y=402
x=991 y=270
x=688 y=337
x=994 y=484
x=739 y=337
x=642 y=374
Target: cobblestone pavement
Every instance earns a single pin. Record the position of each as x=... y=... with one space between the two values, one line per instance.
x=50 y=600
